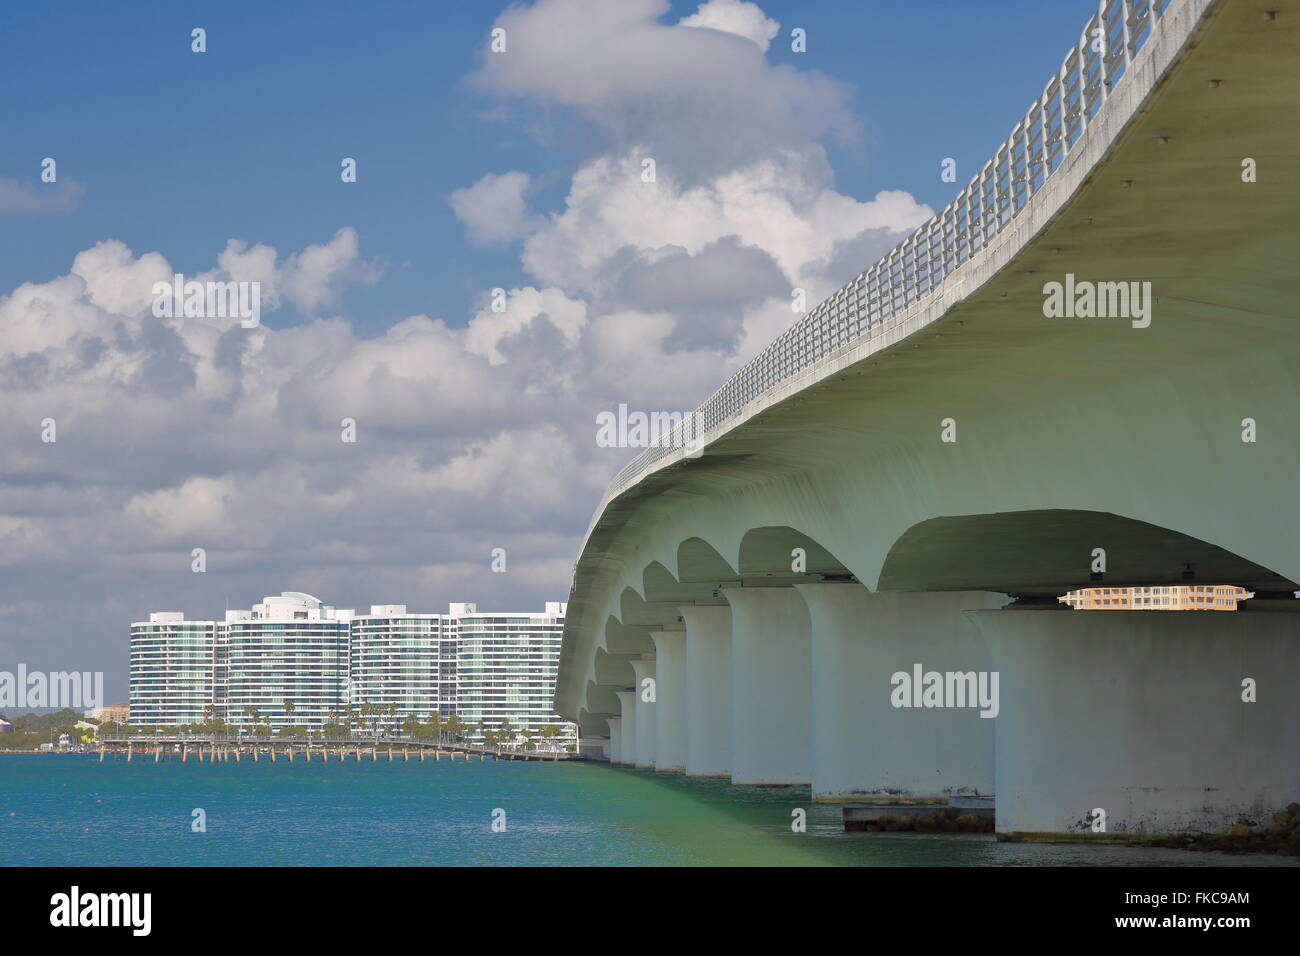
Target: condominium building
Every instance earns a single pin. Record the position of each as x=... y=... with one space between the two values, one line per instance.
x=171 y=669
x=1173 y=597
x=293 y=661
x=283 y=663
x=507 y=668
x=404 y=664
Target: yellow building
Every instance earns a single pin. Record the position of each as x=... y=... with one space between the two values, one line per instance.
x=1170 y=597
x=116 y=713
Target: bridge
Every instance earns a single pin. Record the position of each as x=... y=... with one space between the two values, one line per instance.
x=221 y=747
x=898 y=489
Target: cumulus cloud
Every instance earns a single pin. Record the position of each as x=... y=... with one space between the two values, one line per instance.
x=494 y=208
x=735 y=16
x=473 y=432
x=698 y=99
x=309 y=279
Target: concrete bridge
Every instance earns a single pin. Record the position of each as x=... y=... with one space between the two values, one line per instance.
x=907 y=479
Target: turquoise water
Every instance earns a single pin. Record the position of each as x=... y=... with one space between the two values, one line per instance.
x=74 y=811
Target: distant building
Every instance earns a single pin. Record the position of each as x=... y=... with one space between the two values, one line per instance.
x=404 y=664
x=288 y=648
x=1173 y=597
x=113 y=713
x=6 y=727
x=385 y=666
x=507 y=669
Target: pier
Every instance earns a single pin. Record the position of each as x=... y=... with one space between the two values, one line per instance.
x=221 y=748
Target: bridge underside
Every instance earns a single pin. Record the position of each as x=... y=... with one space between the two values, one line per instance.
x=779 y=583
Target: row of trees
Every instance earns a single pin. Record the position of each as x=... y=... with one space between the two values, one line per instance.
x=371 y=719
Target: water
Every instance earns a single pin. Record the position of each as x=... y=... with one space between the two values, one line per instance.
x=72 y=810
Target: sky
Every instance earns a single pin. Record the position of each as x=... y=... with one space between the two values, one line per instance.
x=521 y=170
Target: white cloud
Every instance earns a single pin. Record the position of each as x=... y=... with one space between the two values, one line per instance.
x=182 y=433
x=494 y=209
x=25 y=199
x=735 y=16
x=697 y=98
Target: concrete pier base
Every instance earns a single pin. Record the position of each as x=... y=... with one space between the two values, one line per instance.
x=866 y=750
x=646 y=711
x=771 y=687
x=708 y=690
x=670 y=708
x=615 y=738
x=627 y=744
x=1141 y=714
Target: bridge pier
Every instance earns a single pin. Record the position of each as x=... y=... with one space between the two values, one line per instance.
x=670 y=706
x=866 y=750
x=615 y=733
x=645 y=713
x=708 y=690
x=1141 y=714
x=771 y=687
x=627 y=745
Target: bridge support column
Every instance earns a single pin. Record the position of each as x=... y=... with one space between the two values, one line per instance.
x=771 y=687
x=627 y=737
x=708 y=690
x=645 y=713
x=864 y=748
x=615 y=733
x=1141 y=714
x=670 y=695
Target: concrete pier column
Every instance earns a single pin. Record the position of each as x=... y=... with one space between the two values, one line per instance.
x=707 y=731
x=864 y=748
x=627 y=742
x=1141 y=714
x=646 y=711
x=670 y=696
x=771 y=686
x=615 y=735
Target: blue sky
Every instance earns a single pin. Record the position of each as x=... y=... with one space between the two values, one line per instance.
x=776 y=171
x=179 y=152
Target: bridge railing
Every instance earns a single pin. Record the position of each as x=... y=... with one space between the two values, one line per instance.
x=1039 y=143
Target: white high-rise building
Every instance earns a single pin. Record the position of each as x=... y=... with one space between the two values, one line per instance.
x=507 y=668
x=284 y=663
x=293 y=661
x=171 y=670
x=404 y=664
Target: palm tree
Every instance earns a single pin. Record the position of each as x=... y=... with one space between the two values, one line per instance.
x=251 y=714
x=435 y=724
x=506 y=731
x=550 y=732
x=454 y=726
x=288 y=710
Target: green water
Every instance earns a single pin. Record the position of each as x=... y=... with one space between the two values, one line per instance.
x=74 y=811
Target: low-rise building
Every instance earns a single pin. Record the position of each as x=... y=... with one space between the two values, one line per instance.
x=1171 y=597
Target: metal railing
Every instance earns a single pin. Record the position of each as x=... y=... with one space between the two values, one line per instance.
x=1038 y=145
